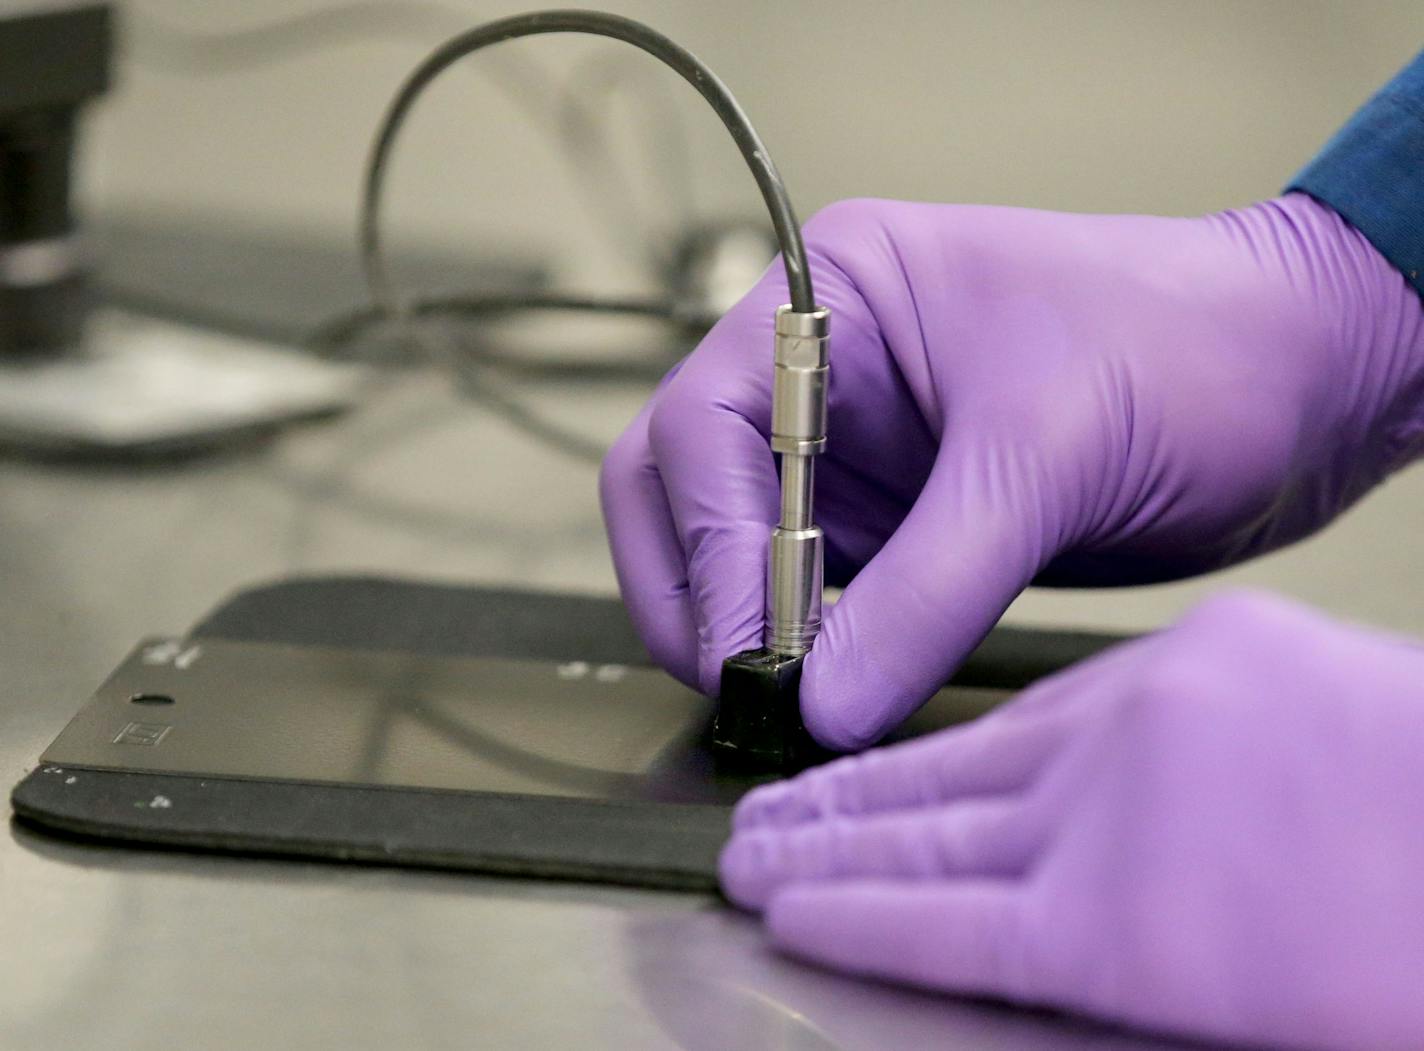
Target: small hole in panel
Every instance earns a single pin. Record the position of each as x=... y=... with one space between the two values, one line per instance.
x=150 y=698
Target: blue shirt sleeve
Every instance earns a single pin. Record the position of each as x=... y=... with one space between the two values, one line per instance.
x=1372 y=172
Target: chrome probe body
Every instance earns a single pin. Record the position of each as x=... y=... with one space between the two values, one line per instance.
x=798 y=435
x=758 y=722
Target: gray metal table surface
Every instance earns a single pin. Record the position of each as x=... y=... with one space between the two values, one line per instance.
x=118 y=948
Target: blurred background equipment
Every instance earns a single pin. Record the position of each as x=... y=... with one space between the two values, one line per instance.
x=646 y=209
x=258 y=282
x=54 y=58
x=73 y=381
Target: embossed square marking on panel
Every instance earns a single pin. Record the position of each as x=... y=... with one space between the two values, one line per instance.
x=142 y=733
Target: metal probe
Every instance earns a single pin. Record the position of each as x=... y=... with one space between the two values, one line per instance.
x=758 y=720
x=798 y=434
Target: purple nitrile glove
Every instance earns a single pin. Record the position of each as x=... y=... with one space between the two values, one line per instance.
x=1217 y=830
x=1015 y=395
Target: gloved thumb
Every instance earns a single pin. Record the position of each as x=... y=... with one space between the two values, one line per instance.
x=974 y=539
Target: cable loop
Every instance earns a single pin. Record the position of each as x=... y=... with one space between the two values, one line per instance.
x=597 y=23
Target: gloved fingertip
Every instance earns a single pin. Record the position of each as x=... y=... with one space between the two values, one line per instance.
x=839 y=709
x=761 y=806
x=795 y=919
x=726 y=573
x=714 y=653
x=738 y=870
x=666 y=630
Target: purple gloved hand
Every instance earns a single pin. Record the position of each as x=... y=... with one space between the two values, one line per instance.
x=1015 y=395
x=1217 y=830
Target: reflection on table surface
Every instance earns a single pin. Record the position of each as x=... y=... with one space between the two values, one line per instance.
x=134 y=949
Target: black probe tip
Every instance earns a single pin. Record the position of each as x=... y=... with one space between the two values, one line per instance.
x=758 y=725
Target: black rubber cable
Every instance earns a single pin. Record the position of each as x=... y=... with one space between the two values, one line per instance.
x=597 y=23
